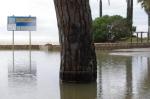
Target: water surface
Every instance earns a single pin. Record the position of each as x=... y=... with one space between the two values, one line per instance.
x=122 y=74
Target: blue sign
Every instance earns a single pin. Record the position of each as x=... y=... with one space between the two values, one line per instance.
x=17 y=23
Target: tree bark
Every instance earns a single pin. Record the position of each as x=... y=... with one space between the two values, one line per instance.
x=78 y=58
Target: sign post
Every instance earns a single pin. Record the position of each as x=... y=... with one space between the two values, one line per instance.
x=30 y=49
x=21 y=23
x=13 y=49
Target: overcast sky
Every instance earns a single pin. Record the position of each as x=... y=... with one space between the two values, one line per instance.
x=46 y=19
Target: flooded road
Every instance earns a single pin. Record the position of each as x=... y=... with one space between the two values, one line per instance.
x=122 y=74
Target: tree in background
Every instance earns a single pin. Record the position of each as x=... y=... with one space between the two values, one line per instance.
x=78 y=58
x=146 y=5
x=110 y=28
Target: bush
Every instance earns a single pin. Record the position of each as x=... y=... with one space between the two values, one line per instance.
x=110 y=28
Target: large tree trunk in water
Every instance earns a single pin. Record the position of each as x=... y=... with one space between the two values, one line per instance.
x=78 y=58
x=100 y=8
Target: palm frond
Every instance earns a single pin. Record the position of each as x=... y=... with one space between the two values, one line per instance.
x=145 y=4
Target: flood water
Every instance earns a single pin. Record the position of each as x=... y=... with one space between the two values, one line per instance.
x=122 y=74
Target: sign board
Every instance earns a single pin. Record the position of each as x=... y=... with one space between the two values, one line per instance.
x=18 y=23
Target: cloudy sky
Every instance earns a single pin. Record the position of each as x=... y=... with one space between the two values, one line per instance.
x=46 y=19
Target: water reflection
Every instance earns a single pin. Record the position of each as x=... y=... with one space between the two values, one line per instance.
x=148 y=74
x=144 y=88
x=111 y=76
x=128 y=78
x=20 y=83
x=121 y=75
x=99 y=80
x=22 y=64
x=78 y=91
x=22 y=75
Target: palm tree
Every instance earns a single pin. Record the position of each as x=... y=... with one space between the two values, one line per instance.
x=130 y=11
x=130 y=15
x=146 y=5
x=101 y=7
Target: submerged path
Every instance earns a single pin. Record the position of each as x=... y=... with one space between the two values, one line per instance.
x=98 y=46
x=111 y=46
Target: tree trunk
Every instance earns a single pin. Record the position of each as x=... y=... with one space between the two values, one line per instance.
x=78 y=58
x=100 y=8
x=148 y=25
x=130 y=16
x=130 y=11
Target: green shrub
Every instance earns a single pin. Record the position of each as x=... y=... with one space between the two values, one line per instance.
x=110 y=28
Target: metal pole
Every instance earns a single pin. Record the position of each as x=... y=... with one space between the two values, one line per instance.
x=30 y=49
x=30 y=40
x=131 y=37
x=141 y=37
x=13 y=50
x=137 y=38
x=148 y=37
